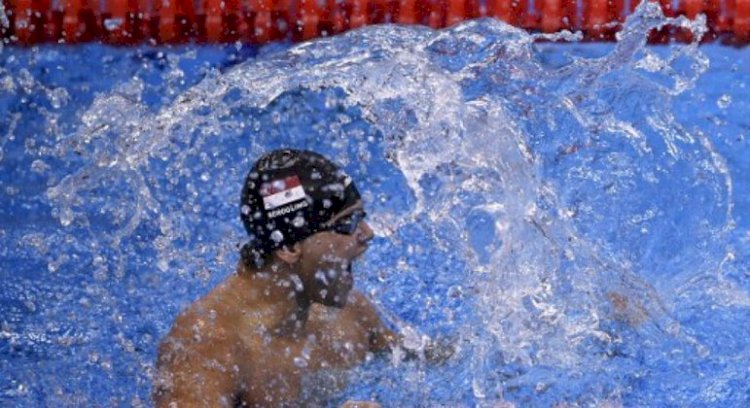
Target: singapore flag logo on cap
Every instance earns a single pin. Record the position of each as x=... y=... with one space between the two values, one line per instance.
x=281 y=192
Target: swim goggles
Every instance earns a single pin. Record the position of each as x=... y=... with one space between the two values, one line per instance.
x=346 y=225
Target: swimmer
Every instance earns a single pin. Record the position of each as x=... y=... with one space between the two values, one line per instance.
x=289 y=312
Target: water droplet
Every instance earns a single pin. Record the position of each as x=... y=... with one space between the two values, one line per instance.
x=455 y=291
x=277 y=236
x=22 y=389
x=58 y=97
x=477 y=390
x=66 y=217
x=298 y=286
x=245 y=209
x=106 y=365
x=411 y=339
x=39 y=166
x=702 y=350
x=7 y=84
x=93 y=357
x=321 y=276
x=282 y=25
x=100 y=274
x=111 y=24
x=298 y=221
x=30 y=305
x=300 y=362
x=724 y=101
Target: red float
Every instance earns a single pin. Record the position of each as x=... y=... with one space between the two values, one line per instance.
x=261 y=21
x=742 y=20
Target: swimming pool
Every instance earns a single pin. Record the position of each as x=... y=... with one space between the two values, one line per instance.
x=574 y=215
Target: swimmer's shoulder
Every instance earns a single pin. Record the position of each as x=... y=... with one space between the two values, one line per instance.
x=196 y=347
x=204 y=321
x=193 y=340
x=360 y=308
x=357 y=301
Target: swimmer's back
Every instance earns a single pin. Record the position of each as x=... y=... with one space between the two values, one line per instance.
x=219 y=355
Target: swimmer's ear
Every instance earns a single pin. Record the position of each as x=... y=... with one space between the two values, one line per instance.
x=289 y=254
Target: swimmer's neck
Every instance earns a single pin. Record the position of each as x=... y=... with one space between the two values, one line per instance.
x=271 y=291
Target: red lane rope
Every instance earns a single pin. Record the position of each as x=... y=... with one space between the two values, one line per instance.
x=261 y=21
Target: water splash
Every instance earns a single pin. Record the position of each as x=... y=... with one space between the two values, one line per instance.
x=551 y=210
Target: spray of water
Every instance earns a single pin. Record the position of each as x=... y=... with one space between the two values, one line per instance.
x=532 y=195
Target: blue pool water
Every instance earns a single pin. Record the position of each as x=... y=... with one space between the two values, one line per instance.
x=573 y=216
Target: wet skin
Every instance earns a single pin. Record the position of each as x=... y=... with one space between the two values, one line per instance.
x=253 y=338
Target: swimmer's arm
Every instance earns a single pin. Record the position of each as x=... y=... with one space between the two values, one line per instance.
x=193 y=374
x=382 y=339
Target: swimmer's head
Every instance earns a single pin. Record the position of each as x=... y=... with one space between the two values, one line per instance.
x=288 y=196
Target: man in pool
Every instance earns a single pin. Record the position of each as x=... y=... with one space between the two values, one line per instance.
x=289 y=312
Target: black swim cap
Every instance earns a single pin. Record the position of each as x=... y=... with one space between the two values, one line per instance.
x=288 y=195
